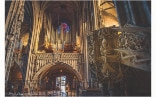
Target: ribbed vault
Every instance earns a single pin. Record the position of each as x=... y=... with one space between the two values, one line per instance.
x=63 y=11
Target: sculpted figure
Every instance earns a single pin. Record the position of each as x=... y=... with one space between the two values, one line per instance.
x=103 y=47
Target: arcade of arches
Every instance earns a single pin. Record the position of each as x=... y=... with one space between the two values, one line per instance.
x=98 y=48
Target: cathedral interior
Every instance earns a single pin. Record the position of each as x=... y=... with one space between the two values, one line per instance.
x=78 y=48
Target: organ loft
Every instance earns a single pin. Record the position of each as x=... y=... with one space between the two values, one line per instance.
x=71 y=48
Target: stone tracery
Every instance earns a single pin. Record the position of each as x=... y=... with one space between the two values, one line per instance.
x=93 y=46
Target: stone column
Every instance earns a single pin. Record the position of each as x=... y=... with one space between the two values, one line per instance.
x=13 y=27
x=95 y=14
x=37 y=25
x=133 y=14
x=147 y=10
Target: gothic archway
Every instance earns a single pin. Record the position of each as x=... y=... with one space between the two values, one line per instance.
x=15 y=78
x=52 y=71
x=52 y=67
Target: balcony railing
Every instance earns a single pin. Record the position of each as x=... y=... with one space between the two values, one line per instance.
x=72 y=59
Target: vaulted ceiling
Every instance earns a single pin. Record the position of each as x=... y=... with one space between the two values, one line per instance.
x=62 y=11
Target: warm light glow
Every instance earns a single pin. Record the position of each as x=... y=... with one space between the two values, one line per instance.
x=78 y=41
x=108 y=21
x=108 y=14
x=25 y=39
x=19 y=75
x=119 y=33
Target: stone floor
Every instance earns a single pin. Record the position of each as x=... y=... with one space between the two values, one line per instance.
x=44 y=93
